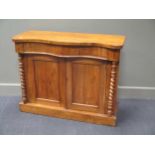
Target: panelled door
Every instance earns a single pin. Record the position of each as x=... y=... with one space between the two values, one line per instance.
x=86 y=84
x=74 y=83
x=45 y=78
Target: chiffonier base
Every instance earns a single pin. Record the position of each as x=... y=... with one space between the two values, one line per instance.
x=60 y=112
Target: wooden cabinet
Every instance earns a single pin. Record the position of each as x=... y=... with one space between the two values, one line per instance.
x=69 y=75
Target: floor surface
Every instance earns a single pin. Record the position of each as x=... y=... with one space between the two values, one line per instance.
x=134 y=117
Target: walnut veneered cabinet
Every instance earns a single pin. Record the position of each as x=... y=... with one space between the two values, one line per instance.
x=69 y=75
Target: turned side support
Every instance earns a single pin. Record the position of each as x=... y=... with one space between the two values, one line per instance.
x=22 y=79
x=112 y=86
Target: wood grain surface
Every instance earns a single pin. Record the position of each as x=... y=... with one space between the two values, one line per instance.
x=66 y=38
x=69 y=75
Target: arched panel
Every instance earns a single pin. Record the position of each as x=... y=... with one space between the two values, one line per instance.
x=45 y=75
x=86 y=84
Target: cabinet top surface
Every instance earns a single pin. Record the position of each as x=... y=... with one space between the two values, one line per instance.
x=74 y=39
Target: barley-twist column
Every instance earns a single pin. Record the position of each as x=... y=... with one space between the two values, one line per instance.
x=112 y=89
x=21 y=70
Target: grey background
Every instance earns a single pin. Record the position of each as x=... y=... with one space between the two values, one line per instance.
x=137 y=66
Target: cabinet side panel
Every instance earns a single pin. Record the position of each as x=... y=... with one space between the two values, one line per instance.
x=29 y=78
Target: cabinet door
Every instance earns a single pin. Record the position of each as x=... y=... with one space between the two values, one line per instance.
x=86 y=85
x=45 y=82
